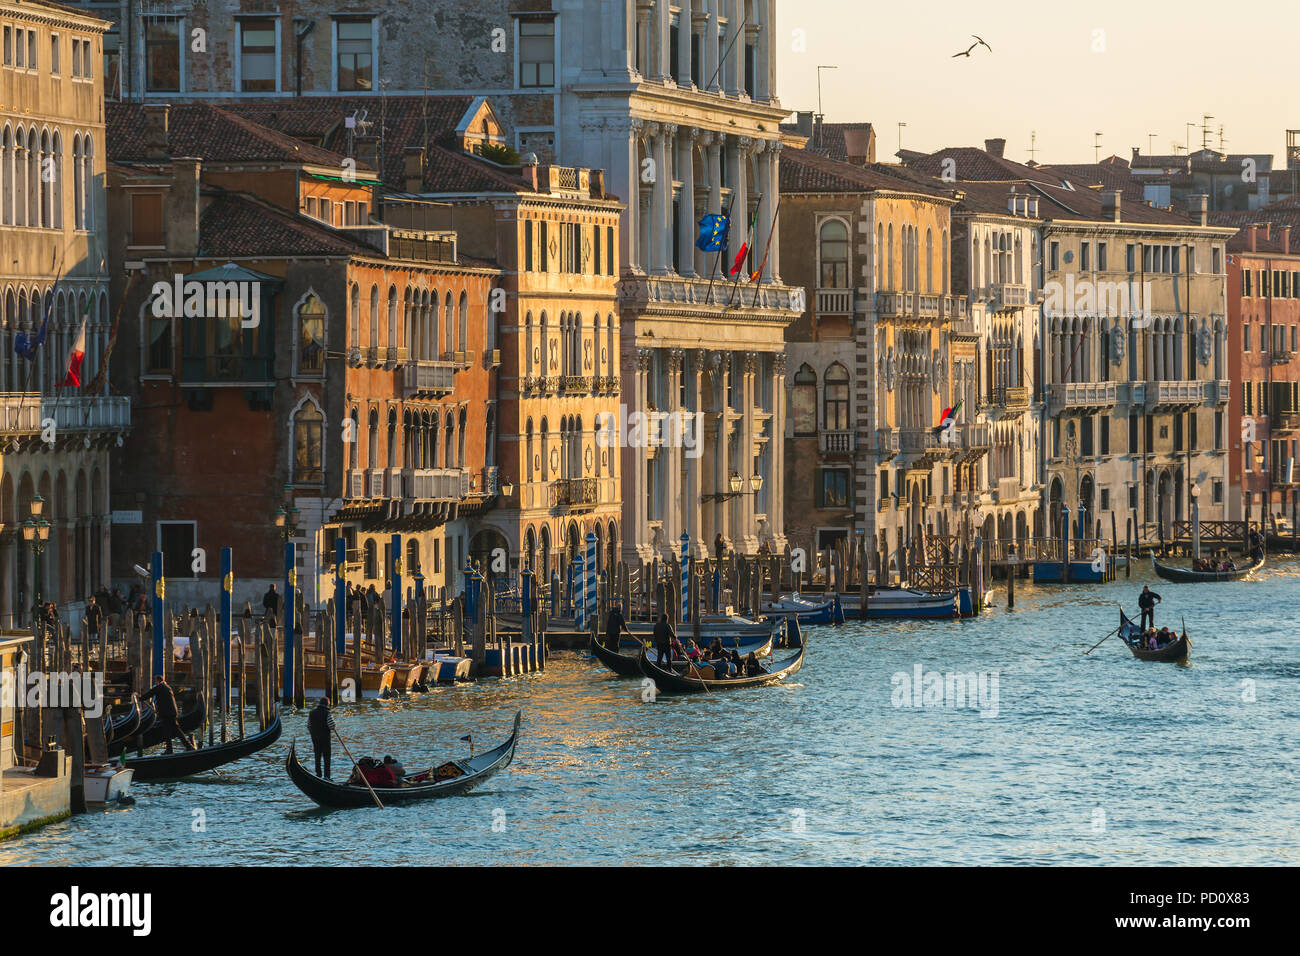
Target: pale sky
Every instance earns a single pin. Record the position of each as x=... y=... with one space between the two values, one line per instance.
x=1162 y=65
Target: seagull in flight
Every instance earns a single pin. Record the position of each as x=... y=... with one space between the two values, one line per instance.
x=978 y=42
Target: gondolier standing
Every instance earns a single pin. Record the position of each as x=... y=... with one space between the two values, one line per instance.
x=320 y=723
x=1147 y=601
x=615 y=625
x=165 y=707
x=664 y=641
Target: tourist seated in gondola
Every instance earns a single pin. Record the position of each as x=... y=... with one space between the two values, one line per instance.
x=375 y=773
x=1149 y=639
x=396 y=769
x=752 y=667
x=1164 y=637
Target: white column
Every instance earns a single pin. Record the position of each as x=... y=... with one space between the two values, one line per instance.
x=766 y=204
x=661 y=223
x=737 y=152
x=686 y=202
x=776 y=512
x=691 y=504
x=710 y=50
x=637 y=476
x=746 y=469
x=684 y=34
x=659 y=39
x=773 y=272
x=672 y=452
x=633 y=251
x=734 y=71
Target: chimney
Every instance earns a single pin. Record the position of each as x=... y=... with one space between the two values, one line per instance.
x=857 y=146
x=995 y=147
x=413 y=169
x=598 y=184
x=182 y=208
x=367 y=153
x=803 y=123
x=1251 y=239
x=1111 y=204
x=1284 y=237
x=155 y=130
x=1268 y=231
x=1198 y=209
x=1136 y=153
x=528 y=166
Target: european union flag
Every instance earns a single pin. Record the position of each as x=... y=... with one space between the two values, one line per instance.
x=26 y=344
x=713 y=233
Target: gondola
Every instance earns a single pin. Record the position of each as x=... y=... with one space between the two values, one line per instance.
x=627 y=665
x=154 y=734
x=1188 y=576
x=126 y=725
x=187 y=763
x=472 y=772
x=679 y=683
x=1282 y=542
x=1131 y=635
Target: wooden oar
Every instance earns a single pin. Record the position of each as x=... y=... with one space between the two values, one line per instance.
x=1104 y=639
x=355 y=766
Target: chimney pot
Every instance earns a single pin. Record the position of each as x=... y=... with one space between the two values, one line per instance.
x=156 y=117
x=1112 y=201
x=1284 y=236
x=1198 y=209
x=995 y=147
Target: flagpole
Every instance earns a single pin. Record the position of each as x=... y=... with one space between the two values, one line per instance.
x=767 y=248
x=717 y=258
x=753 y=220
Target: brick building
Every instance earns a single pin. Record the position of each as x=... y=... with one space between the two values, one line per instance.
x=357 y=398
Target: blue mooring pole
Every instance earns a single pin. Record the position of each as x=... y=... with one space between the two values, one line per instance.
x=395 y=574
x=159 y=588
x=685 y=593
x=593 y=579
x=290 y=587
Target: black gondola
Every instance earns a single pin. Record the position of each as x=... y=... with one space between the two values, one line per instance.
x=126 y=725
x=1188 y=576
x=1282 y=542
x=154 y=734
x=187 y=763
x=1131 y=635
x=472 y=772
x=628 y=665
x=681 y=683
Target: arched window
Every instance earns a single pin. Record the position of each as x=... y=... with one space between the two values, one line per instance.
x=308 y=429
x=374 y=317
x=449 y=320
x=87 y=176
x=412 y=556
x=929 y=260
x=835 y=404
x=463 y=333
x=57 y=185
x=311 y=336
x=891 y=257
x=371 y=563
x=78 y=193
x=6 y=177
x=460 y=441
x=449 y=442
x=392 y=438
x=354 y=317
x=372 y=425
x=392 y=317
x=833 y=253
x=803 y=401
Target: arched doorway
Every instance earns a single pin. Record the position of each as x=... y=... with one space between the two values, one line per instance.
x=1055 y=498
x=1164 y=503
x=491 y=550
x=1086 y=516
x=545 y=556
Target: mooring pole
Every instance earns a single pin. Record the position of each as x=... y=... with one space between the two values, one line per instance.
x=227 y=593
x=290 y=585
x=395 y=582
x=159 y=588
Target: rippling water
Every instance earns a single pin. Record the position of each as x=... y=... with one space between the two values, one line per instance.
x=1089 y=759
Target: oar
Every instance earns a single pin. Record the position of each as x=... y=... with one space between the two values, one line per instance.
x=1104 y=639
x=339 y=737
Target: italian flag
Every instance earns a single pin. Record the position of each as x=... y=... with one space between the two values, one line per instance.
x=75 y=357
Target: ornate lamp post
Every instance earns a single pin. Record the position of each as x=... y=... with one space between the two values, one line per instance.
x=36 y=532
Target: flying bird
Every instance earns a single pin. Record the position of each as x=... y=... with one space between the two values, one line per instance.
x=978 y=42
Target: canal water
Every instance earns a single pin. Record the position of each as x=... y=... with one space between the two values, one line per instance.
x=1063 y=759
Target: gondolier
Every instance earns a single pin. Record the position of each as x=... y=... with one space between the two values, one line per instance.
x=1147 y=601
x=615 y=626
x=165 y=707
x=320 y=724
x=664 y=640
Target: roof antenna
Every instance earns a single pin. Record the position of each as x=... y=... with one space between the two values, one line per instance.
x=1096 y=147
x=1033 y=144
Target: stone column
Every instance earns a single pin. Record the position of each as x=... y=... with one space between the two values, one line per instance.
x=773 y=271
x=660 y=225
x=659 y=39
x=684 y=34
x=766 y=204
x=691 y=504
x=746 y=464
x=709 y=50
x=672 y=453
x=721 y=466
x=737 y=152
x=710 y=262
x=734 y=71
x=776 y=509
x=686 y=202
x=631 y=131
x=636 y=491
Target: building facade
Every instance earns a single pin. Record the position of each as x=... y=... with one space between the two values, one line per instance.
x=1264 y=320
x=56 y=438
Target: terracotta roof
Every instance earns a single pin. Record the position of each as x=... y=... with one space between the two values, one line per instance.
x=451 y=171
x=803 y=171
x=1278 y=214
x=240 y=225
x=209 y=132
x=1107 y=176
x=398 y=122
x=828 y=139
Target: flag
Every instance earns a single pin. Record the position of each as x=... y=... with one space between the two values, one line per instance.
x=948 y=413
x=757 y=273
x=714 y=231
x=26 y=344
x=78 y=353
x=744 y=246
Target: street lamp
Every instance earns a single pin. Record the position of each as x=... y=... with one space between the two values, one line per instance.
x=36 y=532
x=737 y=486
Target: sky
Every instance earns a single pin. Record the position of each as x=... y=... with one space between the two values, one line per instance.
x=1059 y=73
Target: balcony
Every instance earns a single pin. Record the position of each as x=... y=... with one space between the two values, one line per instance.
x=671 y=294
x=575 y=384
x=1167 y=395
x=1286 y=421
x=393 y=483
x=975 y=438
x=924 y=446
x=893 y=305
x=488 y=480
x=1011 y=400
x=837 y=442
x=834 y=302
x=955 y=310
x=574 y=493
x=1082 y=396
x=375 y=483
x=435 y=484
x=71 y=414
x=1007 y=295
x=1218 y=392
x=929 y=306
x=356 y=483
x=1007 y=490
x=491 y=358
x=393 y=357
x=886 y=443
x=424 y=378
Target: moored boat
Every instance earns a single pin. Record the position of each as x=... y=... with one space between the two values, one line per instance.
x=807 y=612
x=187 y=763
x=151 y=734
x=690 y=681
x=1131 y=635
x=451 y=778
x=902 y=602
x=107 y=783
x=1188 y=576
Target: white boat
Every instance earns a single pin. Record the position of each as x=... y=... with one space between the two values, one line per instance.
x=901 y=602
x=106 y=783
